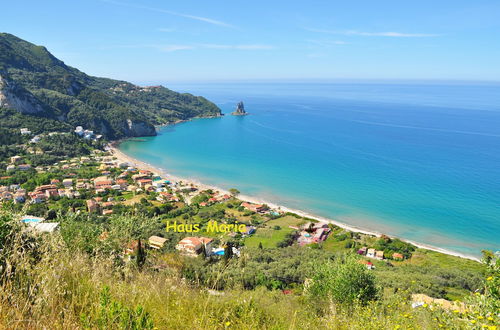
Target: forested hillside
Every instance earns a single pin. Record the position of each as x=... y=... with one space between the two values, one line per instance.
x=36 y=84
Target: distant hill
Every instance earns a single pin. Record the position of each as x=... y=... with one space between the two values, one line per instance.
x=34 y=83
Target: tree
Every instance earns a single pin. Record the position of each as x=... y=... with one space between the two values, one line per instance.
x=228 y=251
x=234 y=192
x=141 y=255
x=344 y=281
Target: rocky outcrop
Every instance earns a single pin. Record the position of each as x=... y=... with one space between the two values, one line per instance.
x=240 y=110
x=17 y=98
x=139 y=128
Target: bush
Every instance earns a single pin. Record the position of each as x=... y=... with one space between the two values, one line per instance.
x=344 y=281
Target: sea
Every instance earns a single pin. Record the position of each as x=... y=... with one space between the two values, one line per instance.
x=411 y=159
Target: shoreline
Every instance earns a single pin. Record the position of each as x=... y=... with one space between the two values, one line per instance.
x=121 y=156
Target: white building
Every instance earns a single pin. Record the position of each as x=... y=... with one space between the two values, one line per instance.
x=79 y=130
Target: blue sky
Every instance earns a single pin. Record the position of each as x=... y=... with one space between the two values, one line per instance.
x=148 y=41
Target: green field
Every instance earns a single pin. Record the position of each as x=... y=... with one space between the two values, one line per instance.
x=268 y=236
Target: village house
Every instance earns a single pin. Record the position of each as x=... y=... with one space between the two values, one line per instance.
x=193 y=246
x=11 y=167
x=35 y=139
x=6 y=196
x=52 y=193
x=19 y=198
x=116 y=187
x=67 y=182
x=144 y=182
x=16 y=159
x=257 y=208
x=123 y=175
x=397 y=256
x=107 y=205
x=137 y=177
x=368 y=264
x=79 y=130
x=156 y=242
x=25 y=131
x=224 y=197
x=123 y=183
x=379 y=255
x=37 y=198
x=65 y=193
x=370 y=253
x=165 y=197
x=24 y=167
x=313 y=232
x=101 y=183
x=92 y=206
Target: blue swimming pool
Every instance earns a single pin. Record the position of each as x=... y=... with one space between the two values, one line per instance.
x=31 y=220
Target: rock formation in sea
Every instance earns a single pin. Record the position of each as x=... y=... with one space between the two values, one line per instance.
x=240 y=110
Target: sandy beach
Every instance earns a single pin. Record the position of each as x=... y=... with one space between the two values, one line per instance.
x=122 y=157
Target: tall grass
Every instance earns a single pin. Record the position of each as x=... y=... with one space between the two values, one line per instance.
x=46 y=285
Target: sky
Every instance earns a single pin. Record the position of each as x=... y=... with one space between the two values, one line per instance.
x=147 y=41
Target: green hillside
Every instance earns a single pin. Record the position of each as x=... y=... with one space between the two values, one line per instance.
x=35 y=83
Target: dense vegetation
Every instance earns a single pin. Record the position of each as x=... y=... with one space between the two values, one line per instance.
x=53 y=281
x=54 y=96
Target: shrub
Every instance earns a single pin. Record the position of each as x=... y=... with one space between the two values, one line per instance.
x=344 y=281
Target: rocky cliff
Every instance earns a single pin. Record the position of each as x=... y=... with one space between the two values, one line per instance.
x=240 y=110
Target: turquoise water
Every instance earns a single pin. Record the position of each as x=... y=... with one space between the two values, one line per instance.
x=418 y=161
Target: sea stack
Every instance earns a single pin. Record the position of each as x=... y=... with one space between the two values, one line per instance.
x=240 y=110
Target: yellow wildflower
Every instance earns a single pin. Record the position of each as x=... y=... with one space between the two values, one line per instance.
x=490 y=318
x=425 y=305
x=228 y=323
x=489 y=278
x=473 y=321
x=480 y=317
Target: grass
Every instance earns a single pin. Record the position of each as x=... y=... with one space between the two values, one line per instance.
x=422 y=257
x=70 y=289
x=269 y=236
x=62 y=288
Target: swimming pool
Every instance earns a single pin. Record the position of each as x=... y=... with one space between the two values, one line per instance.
x=31 y=220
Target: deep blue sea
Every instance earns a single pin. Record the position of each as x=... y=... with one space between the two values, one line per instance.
x=419 y=161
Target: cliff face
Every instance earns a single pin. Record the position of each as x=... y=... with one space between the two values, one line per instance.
x=12 y=96
x=139 y=129
x=34 y=82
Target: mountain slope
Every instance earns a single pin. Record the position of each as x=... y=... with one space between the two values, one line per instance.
x=35 y=83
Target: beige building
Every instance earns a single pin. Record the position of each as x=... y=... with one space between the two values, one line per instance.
x=192 y=246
